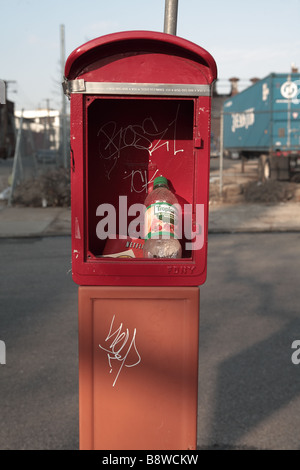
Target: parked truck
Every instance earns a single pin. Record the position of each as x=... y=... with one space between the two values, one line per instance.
x=263 y=122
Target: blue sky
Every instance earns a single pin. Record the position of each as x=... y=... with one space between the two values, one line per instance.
x=246 y=39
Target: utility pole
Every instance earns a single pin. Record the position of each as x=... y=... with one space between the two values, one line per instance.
x=171 y=11
x=2 y=92
x=7 y=83
x=63 y=102
x=47 y=125
x=17 y=160
x=221 y=151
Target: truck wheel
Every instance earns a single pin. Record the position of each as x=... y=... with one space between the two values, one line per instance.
x=267 y=170
x=271 y=168
x=264 y=168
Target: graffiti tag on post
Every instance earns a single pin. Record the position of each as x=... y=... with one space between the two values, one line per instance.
x=120 y=347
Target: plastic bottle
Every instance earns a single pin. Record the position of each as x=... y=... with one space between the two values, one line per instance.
x=161 y=218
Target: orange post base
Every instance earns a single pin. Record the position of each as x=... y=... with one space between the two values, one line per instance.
x=138 y=367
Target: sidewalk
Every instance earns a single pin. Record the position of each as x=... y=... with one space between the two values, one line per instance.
x=232 y=218
x=34 y=222
x=223 y=218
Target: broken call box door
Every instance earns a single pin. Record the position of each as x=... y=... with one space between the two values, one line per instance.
x=140 y=108
x=138 y=367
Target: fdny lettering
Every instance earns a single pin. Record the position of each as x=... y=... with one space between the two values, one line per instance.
x=181 y=269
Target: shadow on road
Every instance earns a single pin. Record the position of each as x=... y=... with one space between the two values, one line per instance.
x=249 y=389
x=253 y=385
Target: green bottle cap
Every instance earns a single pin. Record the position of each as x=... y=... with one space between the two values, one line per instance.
x=160 y=180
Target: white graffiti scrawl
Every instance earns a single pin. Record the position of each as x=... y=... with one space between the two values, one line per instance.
x=121 y=349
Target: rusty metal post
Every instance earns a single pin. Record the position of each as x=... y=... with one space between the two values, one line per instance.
x=171 y=10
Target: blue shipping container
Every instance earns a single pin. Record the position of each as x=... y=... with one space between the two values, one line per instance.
x=264 y=117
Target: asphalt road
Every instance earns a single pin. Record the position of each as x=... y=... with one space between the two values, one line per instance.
x=38 y=323
x=249 y=389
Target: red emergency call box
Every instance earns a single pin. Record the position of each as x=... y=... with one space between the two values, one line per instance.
x=140 y=108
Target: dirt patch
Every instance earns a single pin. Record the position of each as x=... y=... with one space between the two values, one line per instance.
x=51 y=189
x=242 y=185
x=256 y=192
x=270 y=191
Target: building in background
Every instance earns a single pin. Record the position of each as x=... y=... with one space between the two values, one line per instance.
x=44 y=126
x=7 y=129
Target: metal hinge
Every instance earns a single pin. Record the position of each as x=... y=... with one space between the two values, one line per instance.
x=73 y=86
x=198 y=141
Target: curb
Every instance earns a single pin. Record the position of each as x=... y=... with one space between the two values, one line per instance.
x=24 y=222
